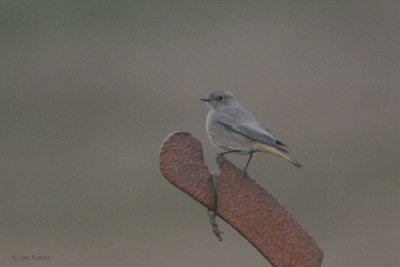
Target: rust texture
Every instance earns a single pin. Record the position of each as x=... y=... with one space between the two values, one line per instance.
x=242 y=203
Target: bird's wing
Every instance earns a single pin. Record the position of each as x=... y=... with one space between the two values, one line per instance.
x=254 y=131
x=279 y=142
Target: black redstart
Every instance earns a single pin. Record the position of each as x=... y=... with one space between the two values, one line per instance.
x=233 y=129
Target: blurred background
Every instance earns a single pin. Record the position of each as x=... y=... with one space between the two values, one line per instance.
x=90 y=89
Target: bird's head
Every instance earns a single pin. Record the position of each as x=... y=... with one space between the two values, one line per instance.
x=219 y=99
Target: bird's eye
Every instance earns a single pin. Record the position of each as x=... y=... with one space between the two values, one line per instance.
x=220 y=98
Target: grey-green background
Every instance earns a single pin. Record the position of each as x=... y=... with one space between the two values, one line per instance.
x=90 y=89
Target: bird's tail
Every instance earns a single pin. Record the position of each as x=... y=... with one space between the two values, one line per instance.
x=293 y=161
x=277 y=150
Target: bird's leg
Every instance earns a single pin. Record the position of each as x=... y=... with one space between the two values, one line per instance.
x=247 y=164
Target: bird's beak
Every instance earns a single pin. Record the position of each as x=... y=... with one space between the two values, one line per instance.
x=205 y=99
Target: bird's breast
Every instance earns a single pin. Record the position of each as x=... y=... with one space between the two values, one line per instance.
x=224 y=138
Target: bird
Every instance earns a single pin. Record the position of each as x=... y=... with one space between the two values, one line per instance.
x=233 y=129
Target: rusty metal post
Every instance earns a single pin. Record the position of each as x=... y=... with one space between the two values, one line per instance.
x=242 y=203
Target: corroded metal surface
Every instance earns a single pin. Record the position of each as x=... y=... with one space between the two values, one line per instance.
x=242 y=203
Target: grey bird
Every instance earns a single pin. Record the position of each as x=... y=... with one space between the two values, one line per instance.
x=233 y=129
